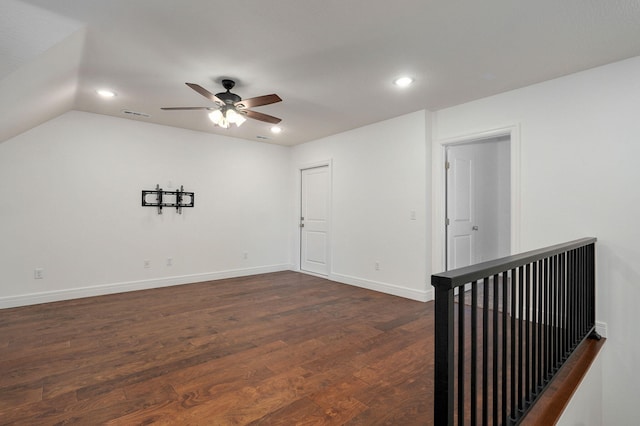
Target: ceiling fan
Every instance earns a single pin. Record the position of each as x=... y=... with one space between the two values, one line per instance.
x=231 y=108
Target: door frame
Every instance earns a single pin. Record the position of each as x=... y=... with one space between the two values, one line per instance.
x=297 y=249
x=439 y=187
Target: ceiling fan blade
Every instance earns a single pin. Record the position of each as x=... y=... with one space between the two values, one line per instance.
x=184 y=108
x=204 y=92
x=259 y=101
x=262 y=117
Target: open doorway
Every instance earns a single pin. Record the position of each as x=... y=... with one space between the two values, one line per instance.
x=478 y=201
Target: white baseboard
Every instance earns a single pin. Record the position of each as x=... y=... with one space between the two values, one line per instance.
x=99 y=290
x=396 y=290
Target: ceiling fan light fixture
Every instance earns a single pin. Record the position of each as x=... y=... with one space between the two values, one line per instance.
x=219 y=119
x=233 y=117
x=216 y=116
x=276 y=129
x=226 y=117
x=240 y=119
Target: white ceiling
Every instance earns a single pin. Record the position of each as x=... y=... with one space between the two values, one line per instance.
x=332 y=62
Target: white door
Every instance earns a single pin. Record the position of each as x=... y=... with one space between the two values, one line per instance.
x=314 y=220
x=478 y=202
x=461 y=211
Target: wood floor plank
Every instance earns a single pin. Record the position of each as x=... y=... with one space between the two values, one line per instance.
x=300 y=412
x=20 y=395
x=66 y=408
x=338 y=401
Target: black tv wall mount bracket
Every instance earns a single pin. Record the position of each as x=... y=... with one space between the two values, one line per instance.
x=177 y=199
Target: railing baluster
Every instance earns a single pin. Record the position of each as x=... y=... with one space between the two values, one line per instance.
x=461 y=376
x=553 y=312
x=585 y=317
x=570 y=296
x=505 y=321
x=592 y=283
x=529 y=349
x=579 y=291
x=580 y=296
x=585 y=298
x=541 y=325
x=496 y=354
x=563 y=308
x=585 y=289
x=485 y=352
x=547 y=321
x=474 y=353
x=513 y=337
x=563 y=312
x=535 y=329
x=521 y=339
x=571 y=268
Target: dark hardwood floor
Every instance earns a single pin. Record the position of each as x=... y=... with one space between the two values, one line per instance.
x=281 y=348
x=275 y=349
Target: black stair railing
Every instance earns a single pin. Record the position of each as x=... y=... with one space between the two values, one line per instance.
x=504 y=328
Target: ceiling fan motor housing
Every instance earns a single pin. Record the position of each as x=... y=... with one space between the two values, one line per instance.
x=228 y=97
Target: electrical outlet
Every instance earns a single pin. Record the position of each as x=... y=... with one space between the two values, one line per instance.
x=376 y=266
x=245 y=255
x=38 y=273
x=169 y=261
x=147 y=263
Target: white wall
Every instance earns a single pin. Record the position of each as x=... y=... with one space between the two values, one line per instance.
x=70 y=204
x=585 y=406
x=579 y=142
x=380 y=175
x=73 y=207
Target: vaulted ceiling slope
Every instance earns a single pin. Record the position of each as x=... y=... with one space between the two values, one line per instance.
x=331 y=61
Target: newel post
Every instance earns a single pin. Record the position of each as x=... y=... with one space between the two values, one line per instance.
x=444 y=355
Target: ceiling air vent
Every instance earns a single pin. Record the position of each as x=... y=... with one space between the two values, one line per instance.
x=136 y=113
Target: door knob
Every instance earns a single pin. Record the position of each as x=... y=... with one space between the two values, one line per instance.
x=474 y=228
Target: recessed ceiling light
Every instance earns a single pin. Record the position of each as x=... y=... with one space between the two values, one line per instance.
x=403 y=81
x=276 y=129
x=105 y=93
